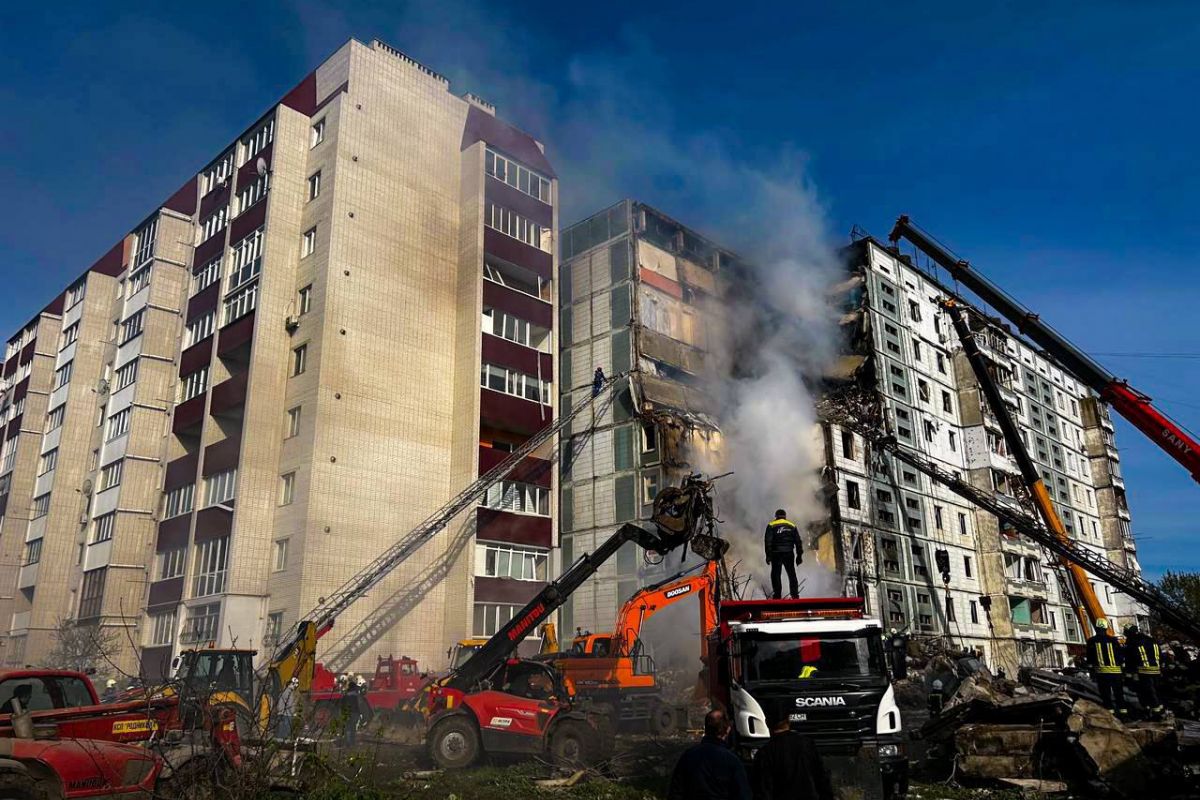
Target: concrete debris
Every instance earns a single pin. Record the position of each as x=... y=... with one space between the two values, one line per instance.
x=1046 y=732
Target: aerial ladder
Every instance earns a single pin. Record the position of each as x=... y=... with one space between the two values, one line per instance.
x=1088 y=607
x=1123 y=579
x=295 y=656
x=1133 y=405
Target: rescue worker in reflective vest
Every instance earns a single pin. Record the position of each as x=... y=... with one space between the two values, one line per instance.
x=782 y=544
x=1105 y=657
x=1142 y=655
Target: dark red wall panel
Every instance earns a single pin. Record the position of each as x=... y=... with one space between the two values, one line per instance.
x=188 y=414
x=505 y=590
x=222 y=456
x=249 y=171
x=236 y=334
x=528 y=470
x=166 y=592
x=517 y=252
x=523 y=359
x=229 y=393
x=173 y=532
x=209 y=249
x=111 y=263
x=510 y=413
x=197 y=356
x=247 y=222
x=184 y=200
x=503 y=526
x=513 y=199
x=213 y=200
x=518 y=303
x=213 y=523
x=181 y=471
x=482 y=126
x=204 y=302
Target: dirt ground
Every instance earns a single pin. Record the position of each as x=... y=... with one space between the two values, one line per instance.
x=639 y=770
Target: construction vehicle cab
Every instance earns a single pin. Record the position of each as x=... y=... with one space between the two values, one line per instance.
x=521 y=706
x=462 y=651
x=818 y=663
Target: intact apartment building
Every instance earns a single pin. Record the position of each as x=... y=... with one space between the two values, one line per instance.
x=320 y=338
x=639 y=294
x=1005 y=595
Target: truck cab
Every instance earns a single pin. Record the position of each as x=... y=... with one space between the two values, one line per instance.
x=819 y=664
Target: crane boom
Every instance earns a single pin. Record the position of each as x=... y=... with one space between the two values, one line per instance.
x=679 y=514
x=1121 y=578
x=1131 y=404
x=1089 y=610
x=322 y=617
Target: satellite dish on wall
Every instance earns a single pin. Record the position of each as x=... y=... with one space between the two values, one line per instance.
x=261 y=166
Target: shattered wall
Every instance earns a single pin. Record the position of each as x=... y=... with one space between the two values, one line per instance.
x=902 y=372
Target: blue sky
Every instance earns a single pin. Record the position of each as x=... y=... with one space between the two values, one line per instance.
x=1052 y=147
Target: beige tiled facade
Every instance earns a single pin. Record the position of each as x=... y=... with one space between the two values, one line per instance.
x=253 y=487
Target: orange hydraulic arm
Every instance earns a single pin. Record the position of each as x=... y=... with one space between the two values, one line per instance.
x=648 y=601
x=1090 y=609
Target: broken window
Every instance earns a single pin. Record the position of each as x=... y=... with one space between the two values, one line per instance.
x=883 y=496
x=916 y=350
x=967 y=566
x=950 y=609
x=914 y=311
x=852 y=497
x=962 y=524
x=929 y=430
x=847 y=444
x=953 y=441
x=941 y=362
x=937 y=516
x=974 y=612
x=923 y=390
x=947 y=406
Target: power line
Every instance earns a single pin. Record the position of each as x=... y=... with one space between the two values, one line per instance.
x=1148 y=355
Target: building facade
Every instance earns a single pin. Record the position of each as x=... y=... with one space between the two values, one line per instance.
x=904 y=366
x=639 y=297
x=327 y=333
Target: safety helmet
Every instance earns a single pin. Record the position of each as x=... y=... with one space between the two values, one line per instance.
x=1101 y=624
x=360 y=681
x=111 y=684
x=1130 y=630
x=294 y=681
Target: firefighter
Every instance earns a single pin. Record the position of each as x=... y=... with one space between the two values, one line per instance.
x=781 y=542
x=1142 y=654
x=1104 y=658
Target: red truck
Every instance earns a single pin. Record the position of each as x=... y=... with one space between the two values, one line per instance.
x=70 y=745
x=397 y=682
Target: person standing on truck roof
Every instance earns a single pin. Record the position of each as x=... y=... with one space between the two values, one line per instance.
x=1104 y=658
x=789 y=767
x=1142 y=654
x=710 y=770
x=782 y=543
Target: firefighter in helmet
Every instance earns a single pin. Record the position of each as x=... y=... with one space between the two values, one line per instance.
x=1105 y=658
x=1143 y=657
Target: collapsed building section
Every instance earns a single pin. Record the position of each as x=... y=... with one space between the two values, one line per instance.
x=639 y=297
x=928 y=563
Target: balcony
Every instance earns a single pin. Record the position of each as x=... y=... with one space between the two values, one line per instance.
x=530 y=470
x=517 y=252
x=505 y=590
x=514 y=414
x=168 y=592
x=507 y=526
x=213 y=523
x=504 y=353
x=229 y=396
x=189 y=416
x=519 y=304
x=195 y=357
x=235 y=338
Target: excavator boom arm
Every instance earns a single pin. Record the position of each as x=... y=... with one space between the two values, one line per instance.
x=648 y=601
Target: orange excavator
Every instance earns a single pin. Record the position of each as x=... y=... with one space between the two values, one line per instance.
x=614 y=672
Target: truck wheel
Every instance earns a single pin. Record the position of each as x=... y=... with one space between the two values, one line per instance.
x=17 y=787
x=574 y=744
x=662 y=720
x=454 y=743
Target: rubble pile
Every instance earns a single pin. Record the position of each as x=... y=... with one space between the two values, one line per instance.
x=1046 y=729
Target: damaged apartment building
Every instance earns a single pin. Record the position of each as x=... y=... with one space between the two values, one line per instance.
x=635 y=297
x=903 y=371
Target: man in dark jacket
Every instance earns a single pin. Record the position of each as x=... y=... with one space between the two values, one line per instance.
x=710 y=770
x=1105 y=658
x=789 y=768
x=782 y=544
